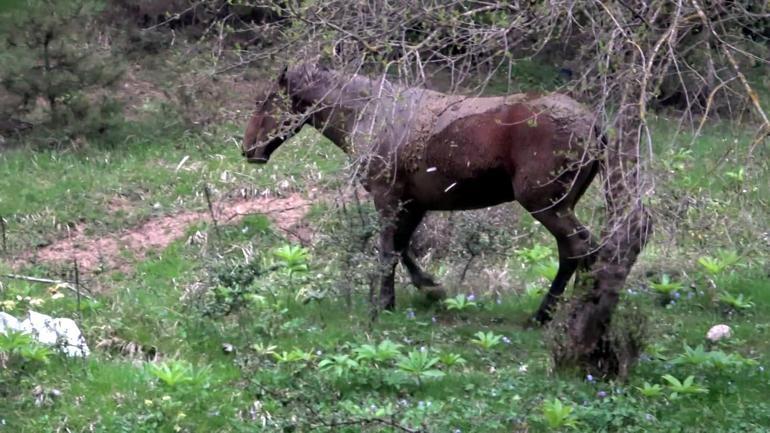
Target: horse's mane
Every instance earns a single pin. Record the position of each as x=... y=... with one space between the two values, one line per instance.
x=349 y=87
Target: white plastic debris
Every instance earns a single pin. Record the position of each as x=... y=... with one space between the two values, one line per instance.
x=62 y=333
x=8 y=322
x=718 y=332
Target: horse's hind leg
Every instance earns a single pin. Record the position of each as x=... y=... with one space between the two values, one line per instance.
x=574 y=243
x=408 y=219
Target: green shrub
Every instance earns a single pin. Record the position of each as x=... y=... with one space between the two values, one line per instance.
x=52 y=63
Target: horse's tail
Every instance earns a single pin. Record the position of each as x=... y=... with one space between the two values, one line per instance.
x=589 y=168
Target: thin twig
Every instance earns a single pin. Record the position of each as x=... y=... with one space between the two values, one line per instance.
x=762 y=135
x=77 y=286
x=267 y=212
x=207 y=192
x=2 y=228
x=379 y=421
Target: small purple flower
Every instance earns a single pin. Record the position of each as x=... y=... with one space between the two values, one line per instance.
x=690 y=295
x=677 y=295
x=471 y=297
x=506 y=340
x=672 y=303
x=589 y=378
x=410 y=314
x=601 y=394
x=649 y=417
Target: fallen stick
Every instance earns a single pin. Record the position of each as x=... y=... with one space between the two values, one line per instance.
x=2 y=228
x=61 y=283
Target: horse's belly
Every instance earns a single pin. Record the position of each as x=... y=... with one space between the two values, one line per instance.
x=434 y=191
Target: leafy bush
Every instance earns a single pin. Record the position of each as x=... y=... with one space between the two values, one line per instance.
x=685 y=387
x=534 y=254
x=735 y=302
x=486 y=340
x=419 y=364
x=651 y=390
x=666 y=288
x=294 y=356
x=379 y=354
x=19 y=348
x=174 y=374
x=460 y=303
x=558 y=415
x=340 y=365
x=292 y=258
x=714 y=359
x=717 y=265
x=451 y=359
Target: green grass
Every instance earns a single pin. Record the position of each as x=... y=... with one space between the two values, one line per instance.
x=166 y=308
x=44 y=192
x=489 y=393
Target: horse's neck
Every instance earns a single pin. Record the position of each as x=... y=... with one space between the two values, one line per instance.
x=364 y=116
x=342 y=106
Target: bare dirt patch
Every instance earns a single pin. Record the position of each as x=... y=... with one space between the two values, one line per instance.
x=112 y=252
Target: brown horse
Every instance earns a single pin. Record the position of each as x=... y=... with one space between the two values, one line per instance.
x=421 y=150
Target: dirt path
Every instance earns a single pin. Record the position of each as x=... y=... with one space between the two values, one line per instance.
x=114 y=251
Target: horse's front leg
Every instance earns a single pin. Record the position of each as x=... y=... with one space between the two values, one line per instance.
x=386 y=201
x=388 y=261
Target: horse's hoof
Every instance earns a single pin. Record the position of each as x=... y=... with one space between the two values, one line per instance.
x=540 y=318
x=435 y=294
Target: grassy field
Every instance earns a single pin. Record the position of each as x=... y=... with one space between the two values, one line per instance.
x=246 y=331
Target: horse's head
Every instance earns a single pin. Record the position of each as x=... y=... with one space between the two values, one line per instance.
x=266 y=130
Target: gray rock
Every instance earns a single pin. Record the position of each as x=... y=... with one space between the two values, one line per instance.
x=61 y=333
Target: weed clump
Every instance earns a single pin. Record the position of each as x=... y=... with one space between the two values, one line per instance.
x=231 y=287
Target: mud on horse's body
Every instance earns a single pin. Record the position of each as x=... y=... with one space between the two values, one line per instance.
x=422 y=150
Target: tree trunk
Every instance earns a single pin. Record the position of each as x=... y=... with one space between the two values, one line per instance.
x=589 y=342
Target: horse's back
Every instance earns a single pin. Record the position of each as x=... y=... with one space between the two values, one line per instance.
x=481 y=149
